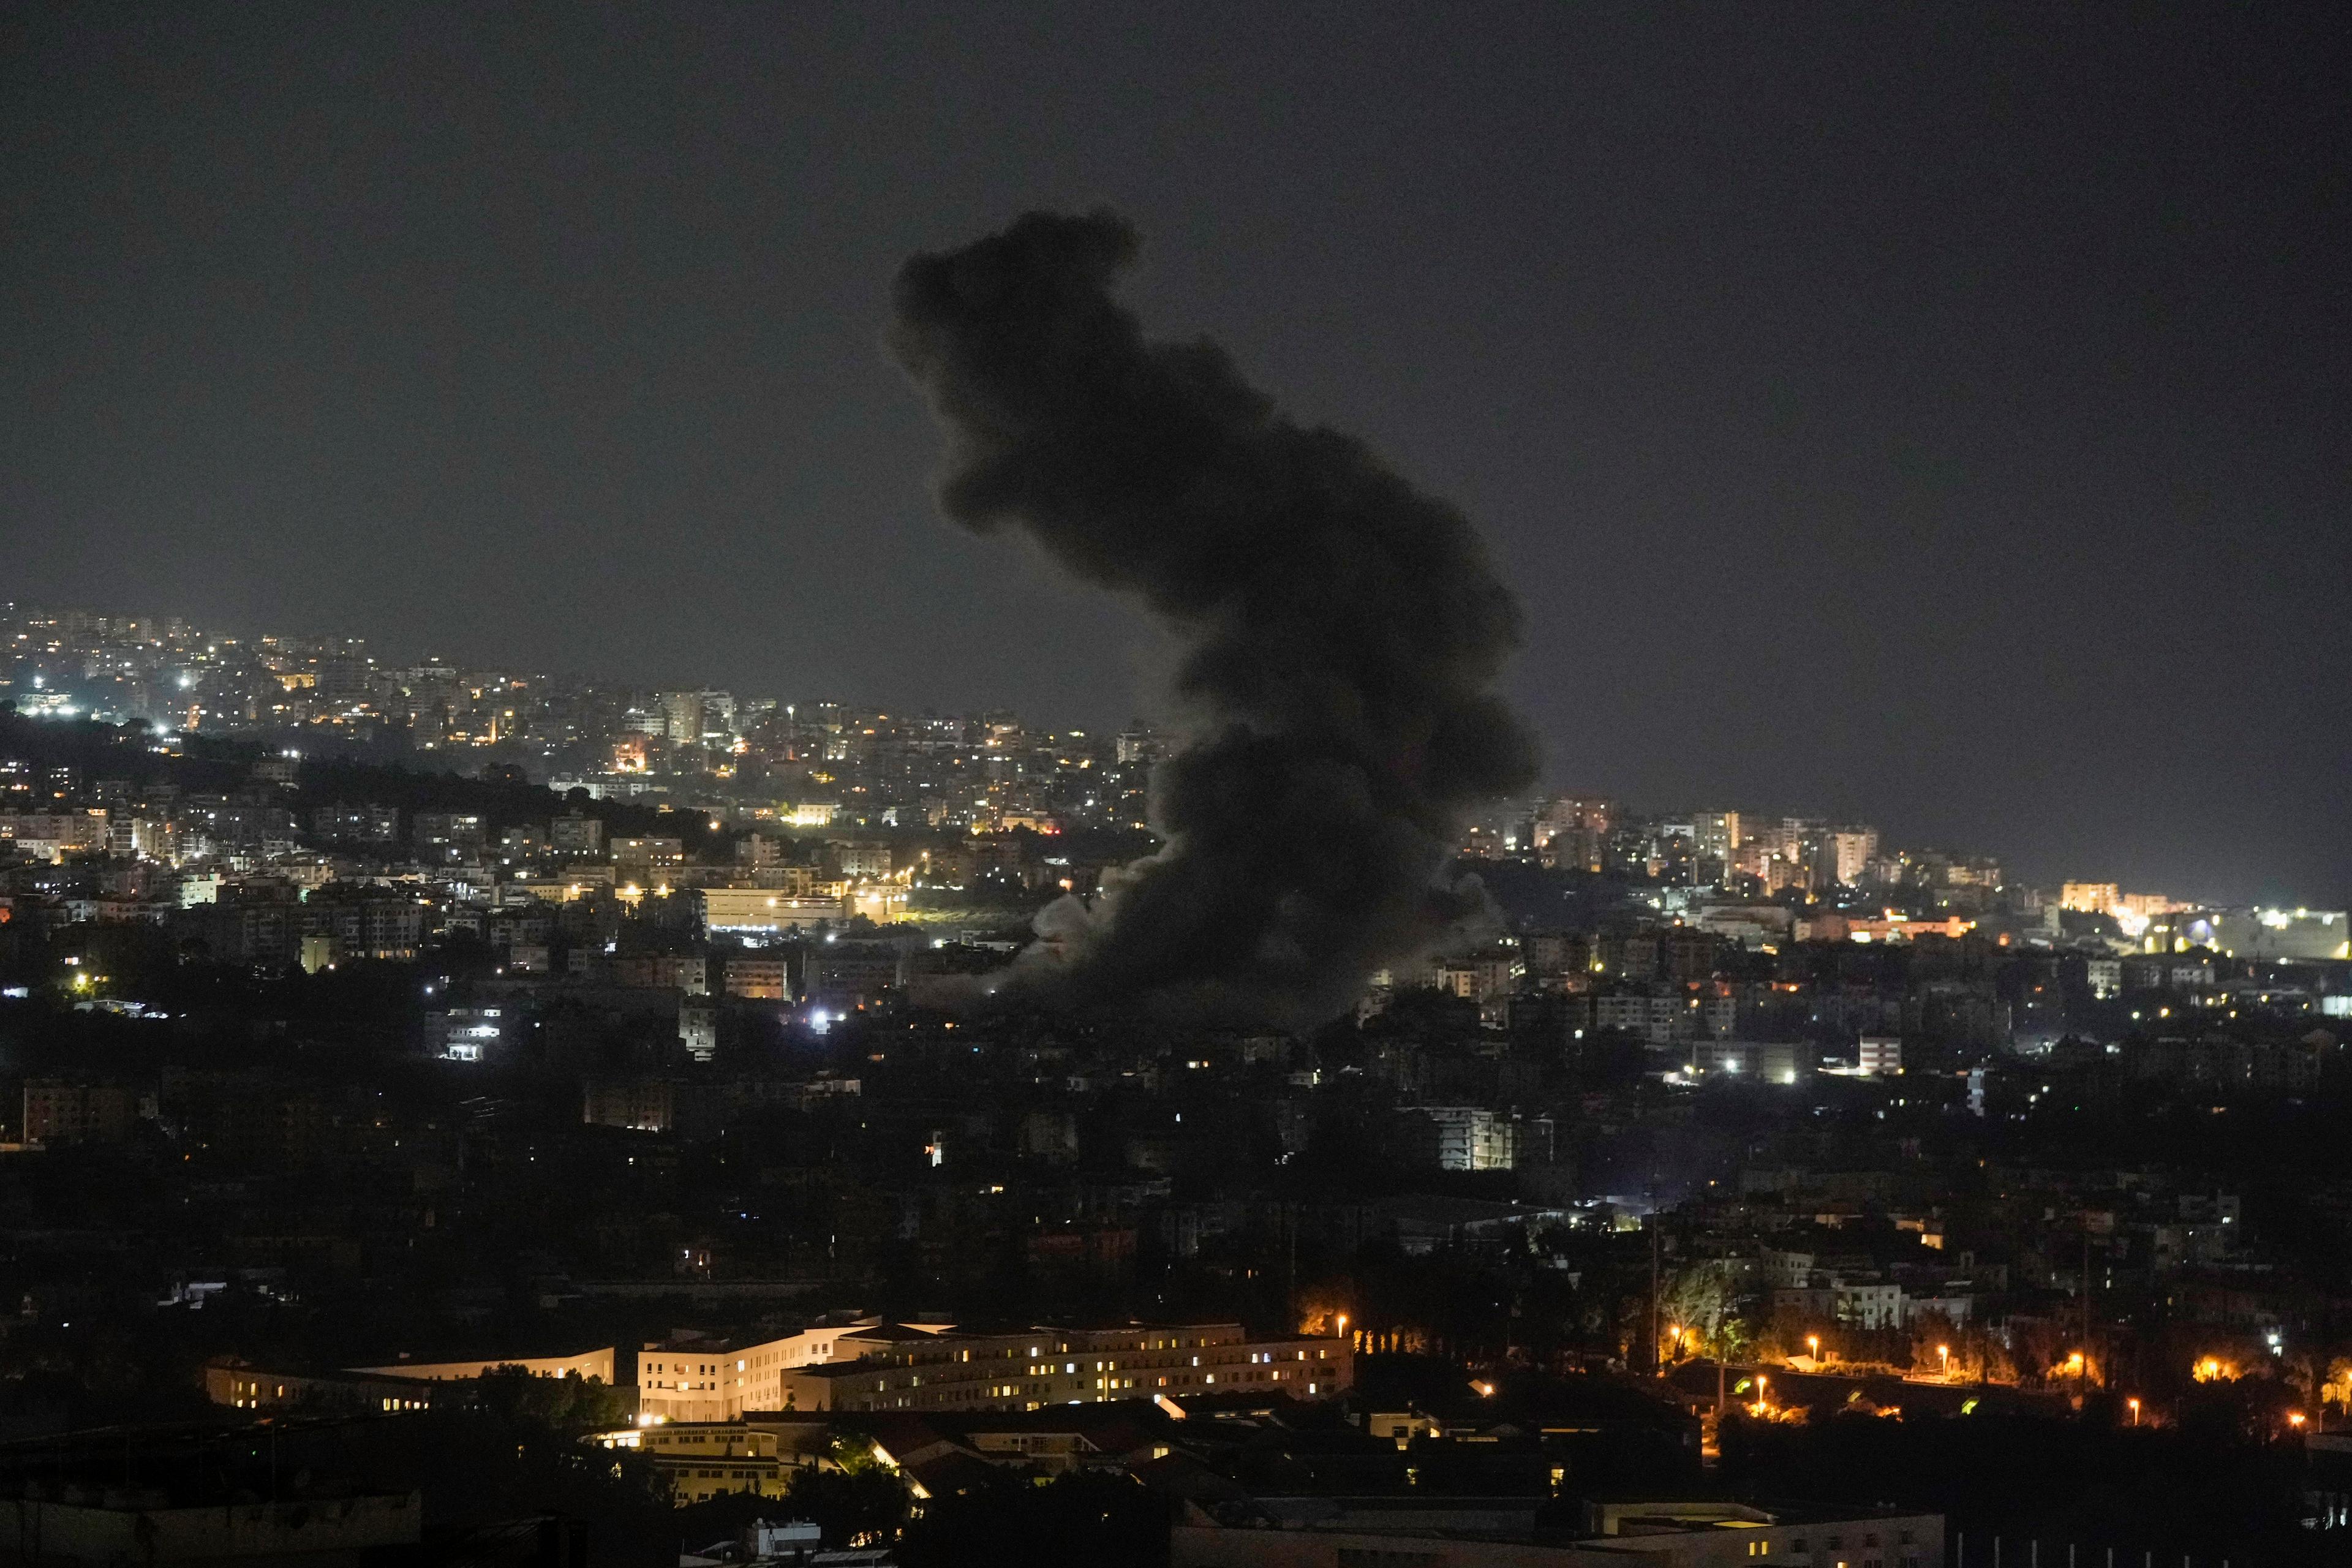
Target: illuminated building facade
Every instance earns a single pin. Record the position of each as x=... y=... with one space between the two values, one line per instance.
x=900 y=1366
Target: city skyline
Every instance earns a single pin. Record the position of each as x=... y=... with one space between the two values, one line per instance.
x=1887 y=815
x=1932 y=406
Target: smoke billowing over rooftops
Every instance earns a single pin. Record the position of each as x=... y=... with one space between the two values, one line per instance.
x=1342 y=633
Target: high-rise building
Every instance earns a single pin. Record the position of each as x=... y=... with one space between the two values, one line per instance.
x=1573 y=831
x=681 y=716
x=1848 y=852
x=1138 y=744
x=718 y=717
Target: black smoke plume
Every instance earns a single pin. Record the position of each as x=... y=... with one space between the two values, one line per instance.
x=1343 y=631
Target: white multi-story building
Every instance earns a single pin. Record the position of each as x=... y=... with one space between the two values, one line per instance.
x=874 y=1365
x=1479 y=976
x=1870 y=1304
x=470 y=1034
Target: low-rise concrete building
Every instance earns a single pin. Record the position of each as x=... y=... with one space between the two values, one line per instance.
x=875 y=1366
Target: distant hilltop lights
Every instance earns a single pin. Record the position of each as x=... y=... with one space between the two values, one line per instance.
x=810 y=766
x=814 y=766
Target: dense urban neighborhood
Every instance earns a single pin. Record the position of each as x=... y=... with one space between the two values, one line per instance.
x=404 y=1060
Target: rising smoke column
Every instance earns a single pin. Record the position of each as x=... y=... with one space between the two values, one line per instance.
x=1343 y=633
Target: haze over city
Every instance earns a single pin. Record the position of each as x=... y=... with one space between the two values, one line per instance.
x=1924 y=418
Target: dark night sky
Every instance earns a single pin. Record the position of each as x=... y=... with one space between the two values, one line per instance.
x=1927 y=414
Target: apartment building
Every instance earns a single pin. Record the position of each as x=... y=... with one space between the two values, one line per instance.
x=873 y=1366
